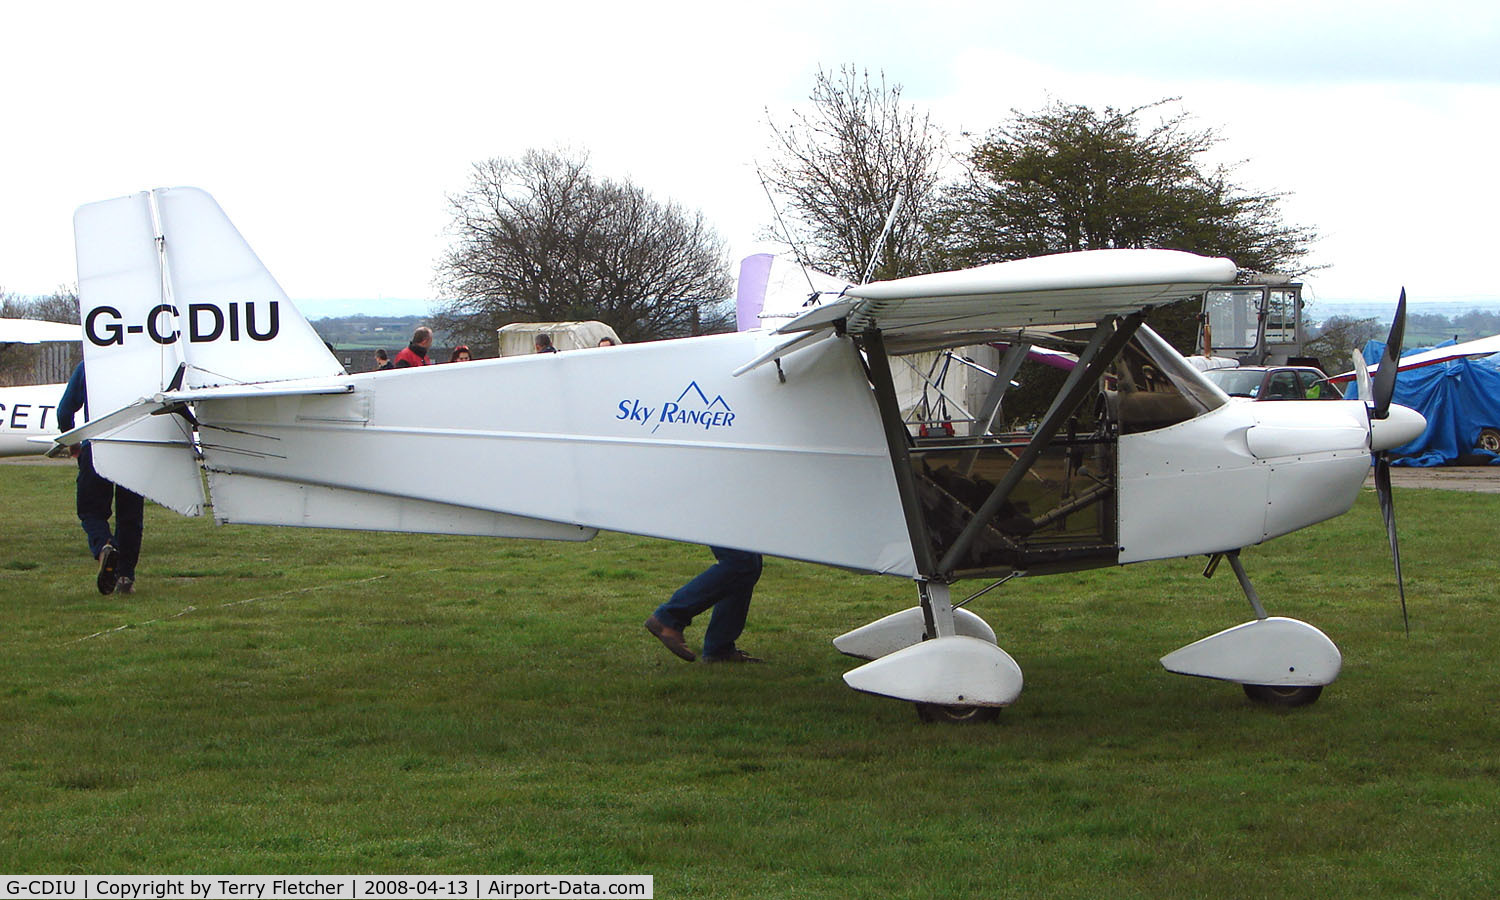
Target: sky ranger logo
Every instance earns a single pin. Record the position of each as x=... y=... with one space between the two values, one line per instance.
x=692 y=408
x=205 y=322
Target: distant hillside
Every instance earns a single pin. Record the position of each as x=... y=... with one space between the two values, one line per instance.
x=385 y=306
x=367 y=332
x=1383 y=310
x=1427 y=323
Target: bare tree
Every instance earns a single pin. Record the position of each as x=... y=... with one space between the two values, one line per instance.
x=1341 y=336
x=59 y=306
x=839 y=167
x=539 y=238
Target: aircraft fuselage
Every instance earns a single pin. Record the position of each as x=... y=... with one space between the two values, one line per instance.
x=26 y=412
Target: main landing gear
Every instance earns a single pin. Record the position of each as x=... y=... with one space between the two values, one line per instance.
x=944 y=660
x=1279 y=661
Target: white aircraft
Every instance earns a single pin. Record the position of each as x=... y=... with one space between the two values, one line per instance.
x=783 y=441
x=1475 y=349
x=28 y=413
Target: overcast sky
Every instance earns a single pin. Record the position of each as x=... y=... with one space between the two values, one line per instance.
x=331 y=133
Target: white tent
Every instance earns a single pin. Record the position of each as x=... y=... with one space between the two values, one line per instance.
x=519 y=338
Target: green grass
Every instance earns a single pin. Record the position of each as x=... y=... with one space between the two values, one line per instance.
x=293 y=701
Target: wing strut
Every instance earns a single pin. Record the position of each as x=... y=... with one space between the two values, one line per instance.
x=1102 y=349
x=1010 y=364
x=897 y=441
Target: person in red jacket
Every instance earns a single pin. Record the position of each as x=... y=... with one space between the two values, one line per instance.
x=415 y=353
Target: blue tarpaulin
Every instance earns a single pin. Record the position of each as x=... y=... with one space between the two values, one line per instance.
x=1458 y=397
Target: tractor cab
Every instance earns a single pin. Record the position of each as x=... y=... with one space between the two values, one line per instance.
x=1256 y=324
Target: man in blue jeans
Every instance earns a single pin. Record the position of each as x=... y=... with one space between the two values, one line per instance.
x=116 y=551
x=726 y=586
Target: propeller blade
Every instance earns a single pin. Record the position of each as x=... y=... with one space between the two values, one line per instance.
x=1388 y=510
x=1385 y=377
x=1361 y=376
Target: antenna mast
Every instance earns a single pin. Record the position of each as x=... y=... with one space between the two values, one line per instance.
x=786 y=232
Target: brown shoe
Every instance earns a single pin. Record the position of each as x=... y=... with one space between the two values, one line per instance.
x=671 y=638
x=734 y=656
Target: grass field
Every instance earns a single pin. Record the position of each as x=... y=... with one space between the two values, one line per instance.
x=288 y=701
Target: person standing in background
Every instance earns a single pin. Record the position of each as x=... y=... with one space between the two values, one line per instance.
x=415 y=353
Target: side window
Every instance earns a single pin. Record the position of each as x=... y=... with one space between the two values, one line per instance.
x=1281 y=317
x=1283 y=386
x=1315 y=388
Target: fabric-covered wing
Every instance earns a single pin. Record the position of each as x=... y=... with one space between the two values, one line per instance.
x=1043 y=291
x=34 y=331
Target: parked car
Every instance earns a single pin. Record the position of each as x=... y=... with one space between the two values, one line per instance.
x=1274 y=383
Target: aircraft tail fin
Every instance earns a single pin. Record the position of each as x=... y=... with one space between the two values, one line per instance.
x=171 y=297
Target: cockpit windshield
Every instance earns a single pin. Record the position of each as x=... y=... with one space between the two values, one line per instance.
x=1155 y=387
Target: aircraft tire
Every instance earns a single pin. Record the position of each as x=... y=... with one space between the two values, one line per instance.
x=956 y=715
x=1284 y=697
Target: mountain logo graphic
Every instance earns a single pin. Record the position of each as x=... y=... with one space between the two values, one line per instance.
x=692 y=409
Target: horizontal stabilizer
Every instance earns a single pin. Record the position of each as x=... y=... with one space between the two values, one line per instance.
x=262 y=389
x=113 y=422
x=166 y=400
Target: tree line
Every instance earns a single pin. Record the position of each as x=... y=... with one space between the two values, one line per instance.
x=544 y=237
x=1464 y=326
